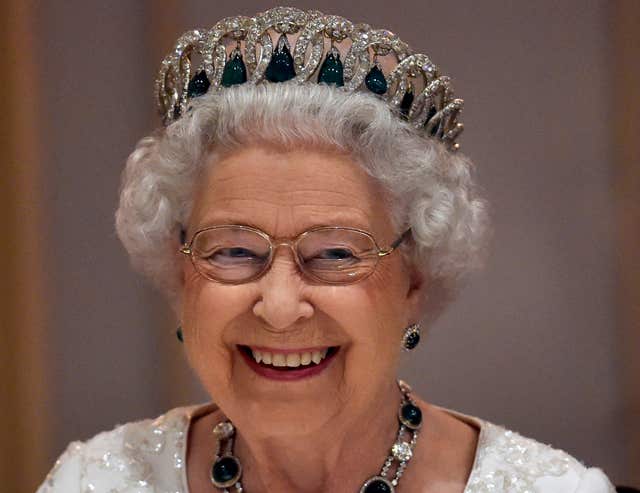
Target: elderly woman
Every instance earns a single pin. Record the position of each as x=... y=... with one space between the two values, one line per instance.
x=304 y=210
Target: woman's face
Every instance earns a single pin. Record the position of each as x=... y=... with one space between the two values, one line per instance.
x=284 y=194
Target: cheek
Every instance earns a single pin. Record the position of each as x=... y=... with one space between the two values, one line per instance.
x=374 y=314
x=384 y=291
x=207 y=305
x=208 y=308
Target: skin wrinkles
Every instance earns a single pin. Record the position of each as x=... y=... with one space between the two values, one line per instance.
x=313 y=214
x=297 y=436
x=300 y=197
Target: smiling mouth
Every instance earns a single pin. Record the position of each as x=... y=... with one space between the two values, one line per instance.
x=290 y=361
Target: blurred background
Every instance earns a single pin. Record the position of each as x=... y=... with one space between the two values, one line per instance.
x=544 y=341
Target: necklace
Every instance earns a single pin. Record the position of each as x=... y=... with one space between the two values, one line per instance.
x=226 y=470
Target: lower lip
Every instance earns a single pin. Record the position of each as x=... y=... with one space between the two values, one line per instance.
x=288 y=375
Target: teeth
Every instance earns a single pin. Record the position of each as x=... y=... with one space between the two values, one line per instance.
x=279 y=360
x=305 y=358
x=318 y=356
x=291 y=360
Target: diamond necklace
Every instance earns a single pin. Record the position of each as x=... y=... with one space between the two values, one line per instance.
x=226 y=470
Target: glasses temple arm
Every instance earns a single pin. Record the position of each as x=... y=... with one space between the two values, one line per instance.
x=395 y=244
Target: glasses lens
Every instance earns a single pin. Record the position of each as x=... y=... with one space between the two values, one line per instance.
x=337 y=255
x=230 y=253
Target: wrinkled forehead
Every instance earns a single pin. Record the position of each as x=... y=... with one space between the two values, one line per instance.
x=287 y=192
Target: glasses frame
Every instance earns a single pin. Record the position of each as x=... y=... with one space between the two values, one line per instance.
x=292 y=243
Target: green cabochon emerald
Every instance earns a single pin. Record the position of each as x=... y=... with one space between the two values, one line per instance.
x=377 y=484
x=331 y=71
x=198 y=85
x=225 y=471
x=281 y=66
x=375 y=81
x=235 y=71
x=410 y=416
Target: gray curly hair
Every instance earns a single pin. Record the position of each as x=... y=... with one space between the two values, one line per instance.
x=431 y=189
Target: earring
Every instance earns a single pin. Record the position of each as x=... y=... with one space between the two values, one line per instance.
x=179 y=334
x=411 y=337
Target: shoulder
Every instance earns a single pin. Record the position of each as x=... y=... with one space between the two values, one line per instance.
x=509 y=462
x=141 y=456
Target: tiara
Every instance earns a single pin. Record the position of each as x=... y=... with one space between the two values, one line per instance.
x=240 y=49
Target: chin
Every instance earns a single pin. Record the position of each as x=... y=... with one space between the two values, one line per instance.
x=289 y=418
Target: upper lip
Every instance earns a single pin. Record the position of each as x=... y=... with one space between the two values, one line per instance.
x=287 y=350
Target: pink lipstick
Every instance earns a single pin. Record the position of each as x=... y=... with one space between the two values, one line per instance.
x=284 y=372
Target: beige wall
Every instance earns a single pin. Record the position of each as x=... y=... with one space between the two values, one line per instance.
x=534 y=343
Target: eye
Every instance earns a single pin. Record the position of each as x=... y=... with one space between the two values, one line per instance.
x=233 y=255
x=236 y=252
x=329 y=258
x=335 y=254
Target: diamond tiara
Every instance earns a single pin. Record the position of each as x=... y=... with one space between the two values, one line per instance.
x=241 y=49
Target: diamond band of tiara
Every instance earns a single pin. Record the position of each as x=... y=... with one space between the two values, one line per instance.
x=241 y=49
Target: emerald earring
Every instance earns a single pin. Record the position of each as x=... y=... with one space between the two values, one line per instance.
x=411 y=337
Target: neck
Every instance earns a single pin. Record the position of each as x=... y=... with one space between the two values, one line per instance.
x=329 y=458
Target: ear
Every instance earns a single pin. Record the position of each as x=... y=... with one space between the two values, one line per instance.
x=416 y=295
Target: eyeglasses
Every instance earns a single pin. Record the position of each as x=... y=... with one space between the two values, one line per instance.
x=235 y=254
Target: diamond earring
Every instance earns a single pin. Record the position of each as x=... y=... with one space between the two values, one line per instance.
x=411 y=337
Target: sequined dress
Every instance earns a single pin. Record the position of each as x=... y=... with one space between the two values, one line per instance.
x=149 y=457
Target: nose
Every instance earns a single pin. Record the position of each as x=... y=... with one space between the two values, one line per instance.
x=282 y=288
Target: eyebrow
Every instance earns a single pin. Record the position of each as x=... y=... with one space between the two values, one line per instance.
x=336 y=221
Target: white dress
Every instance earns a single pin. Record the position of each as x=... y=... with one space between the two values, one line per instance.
x=149 y=457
